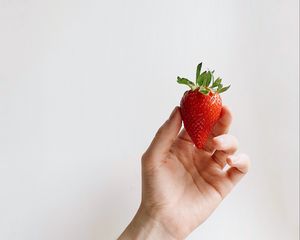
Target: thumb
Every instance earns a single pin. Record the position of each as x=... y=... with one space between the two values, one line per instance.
x=166 y=134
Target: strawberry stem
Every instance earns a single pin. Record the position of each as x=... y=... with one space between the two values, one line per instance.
x=205 y=82
x=187 y=82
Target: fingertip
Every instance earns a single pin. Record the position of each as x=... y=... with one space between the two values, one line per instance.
x=246 y=160
x=218 y=142
x=225 y=142
x=167 y=133
x=177 y=116
x=174 y=112
x=240 y=162
x=224 y=122
x=226 y=116
x=226 y=111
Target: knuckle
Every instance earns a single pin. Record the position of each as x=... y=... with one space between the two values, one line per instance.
x=145 y=157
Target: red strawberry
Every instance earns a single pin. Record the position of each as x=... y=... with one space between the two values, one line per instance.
x=201 y=106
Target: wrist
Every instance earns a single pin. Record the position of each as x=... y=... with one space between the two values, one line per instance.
x=143 y=226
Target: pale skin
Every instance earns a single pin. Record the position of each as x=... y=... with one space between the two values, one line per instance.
x=183 y=185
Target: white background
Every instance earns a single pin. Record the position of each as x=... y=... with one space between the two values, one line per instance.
x=85 y=84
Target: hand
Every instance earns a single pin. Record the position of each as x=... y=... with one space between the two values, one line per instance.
x=183 y=185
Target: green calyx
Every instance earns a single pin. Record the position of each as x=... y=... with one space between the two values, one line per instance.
x=205 y=82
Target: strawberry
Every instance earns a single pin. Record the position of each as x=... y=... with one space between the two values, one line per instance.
x=201 y=106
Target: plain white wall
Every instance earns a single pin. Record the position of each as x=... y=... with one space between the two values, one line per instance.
x=85 y=84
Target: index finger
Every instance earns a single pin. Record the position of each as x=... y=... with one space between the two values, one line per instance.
x=221 y=127
x=224 y=122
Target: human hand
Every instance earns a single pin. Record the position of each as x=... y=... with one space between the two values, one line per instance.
x=183 y=185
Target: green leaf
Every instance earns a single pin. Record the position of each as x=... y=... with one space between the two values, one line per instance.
x=219 y=87
x=203 y=90
x=201 y=78
x=223 y=89
x=208 y=78
x=204 y=79
x=217 y=82
x=185 y=81
x=212 y=77
x=198 y=70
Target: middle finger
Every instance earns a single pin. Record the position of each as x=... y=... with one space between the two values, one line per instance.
x=225 y=146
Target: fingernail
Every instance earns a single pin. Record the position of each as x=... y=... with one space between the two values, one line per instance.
x=173 y=113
